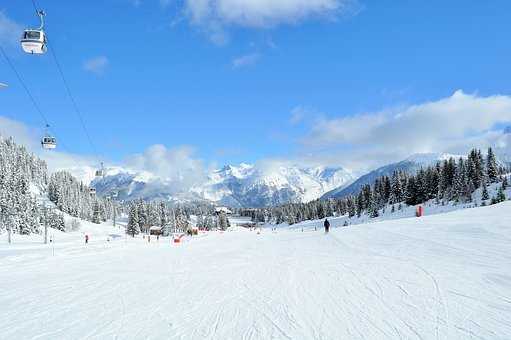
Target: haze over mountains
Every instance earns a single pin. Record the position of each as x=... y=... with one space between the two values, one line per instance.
x=267 y=184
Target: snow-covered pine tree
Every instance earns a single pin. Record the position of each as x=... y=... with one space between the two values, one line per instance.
x=397 y=189
x=485 y=196
x=162 y=209
x=96 y=213
x=411 y=196
x=360 y=206
x=492 y=169
x=22 y=176
x=133 y=227
x=501 y=196
x=475 y=167
x=223 y=222
x=142 y=217
x=460 y=181
x=55 y=220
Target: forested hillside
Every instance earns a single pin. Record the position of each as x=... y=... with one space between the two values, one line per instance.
x=448 y=181
x=21 y=174
x=31 y=198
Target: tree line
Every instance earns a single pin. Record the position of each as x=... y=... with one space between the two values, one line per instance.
x=76 y=199
x=450 y=180
x=27 y=193
x=172 y=218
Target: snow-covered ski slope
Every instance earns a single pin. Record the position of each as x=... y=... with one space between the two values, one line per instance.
x=446 y=276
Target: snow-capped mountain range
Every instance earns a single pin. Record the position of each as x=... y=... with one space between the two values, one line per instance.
x=267 y=184
x=244 y=185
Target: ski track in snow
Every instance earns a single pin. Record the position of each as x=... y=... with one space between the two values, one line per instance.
x=439 y=277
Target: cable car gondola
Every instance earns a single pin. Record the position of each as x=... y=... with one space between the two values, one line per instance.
x=48 y=142
x=33 y=40
x=101 y=171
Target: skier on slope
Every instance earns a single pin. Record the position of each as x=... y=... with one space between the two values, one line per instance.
x=327 y=225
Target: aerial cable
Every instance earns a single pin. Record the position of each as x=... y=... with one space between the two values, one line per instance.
x=73 y=101
x=35 y=6
x=32 y=99
x=27 y=90
x=70 y=93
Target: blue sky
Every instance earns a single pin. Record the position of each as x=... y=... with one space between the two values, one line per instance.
x=249 y=82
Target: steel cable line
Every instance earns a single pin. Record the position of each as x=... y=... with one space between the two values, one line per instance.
x=73 y=101
x=32 y=99
x=70 y=93
x=29 y=93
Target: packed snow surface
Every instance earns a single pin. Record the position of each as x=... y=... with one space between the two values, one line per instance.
x=446 y=276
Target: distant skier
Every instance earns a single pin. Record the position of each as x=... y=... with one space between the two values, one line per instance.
x=327 y=225
x=86 y=239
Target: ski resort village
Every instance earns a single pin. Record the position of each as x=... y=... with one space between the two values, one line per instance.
x=235 y=169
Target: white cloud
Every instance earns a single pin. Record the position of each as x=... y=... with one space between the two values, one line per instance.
x=246 y=60
x=302 y=113
x=262 y=13
x=96 y=65
x=80 y=166
x=19 y=131
x=214 y=16
x=453 y=124
x=297 y=115
x=177 y=165
x=361 y=142
x=10 y=31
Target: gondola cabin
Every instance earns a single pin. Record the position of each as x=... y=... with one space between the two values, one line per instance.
x=33 y=41
x=49 y=142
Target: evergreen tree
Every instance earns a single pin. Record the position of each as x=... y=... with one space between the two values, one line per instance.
x=485 y=196
x=492 y=169
x=397 y=189
x=96 y=213
x=501 y=197
x=133 y=227
x=163 y=214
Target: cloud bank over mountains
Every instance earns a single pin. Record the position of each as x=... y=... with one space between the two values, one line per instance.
x=357 y=142
x=453 y=125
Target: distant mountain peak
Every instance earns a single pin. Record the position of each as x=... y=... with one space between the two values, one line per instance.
x=242 y=185
x=430 y=157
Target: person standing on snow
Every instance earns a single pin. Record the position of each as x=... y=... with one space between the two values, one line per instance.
x=327 y=225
